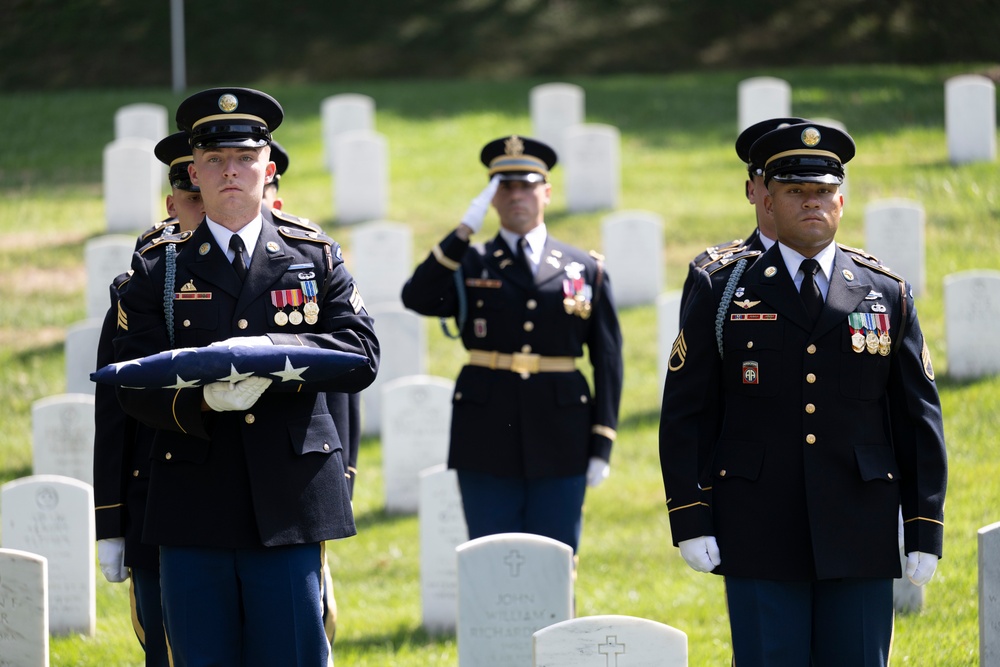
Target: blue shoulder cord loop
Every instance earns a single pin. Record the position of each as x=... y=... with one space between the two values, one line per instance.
x=727 y=297
x=463 y=307
x=169 y=282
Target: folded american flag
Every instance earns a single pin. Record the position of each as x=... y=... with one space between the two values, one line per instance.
x=197 y=366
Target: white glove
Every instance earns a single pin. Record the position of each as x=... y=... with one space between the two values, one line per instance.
x=247 y=341
x=474 y=215
x=701 y=553
x=597 y=471
x=920 y=567
x=223 y=396
x=111 y=556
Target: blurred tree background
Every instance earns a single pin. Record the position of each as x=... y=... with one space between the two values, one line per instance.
x=49 y=44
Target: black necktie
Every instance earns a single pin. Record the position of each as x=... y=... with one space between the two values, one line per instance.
x=239 y=259
x=522 y=256
x=809 y=291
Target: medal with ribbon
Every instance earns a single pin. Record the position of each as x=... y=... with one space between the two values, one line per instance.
x=871 y=333
x=576 y=292
x=278 y=298
x=856 y=324
x=884 y=340
x=310 y=290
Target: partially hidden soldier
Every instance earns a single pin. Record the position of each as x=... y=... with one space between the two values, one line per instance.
x=248 y=476
x=527 y=434
x=763 y=235
x=799 y=414
x=344 y=408
x=122 y=445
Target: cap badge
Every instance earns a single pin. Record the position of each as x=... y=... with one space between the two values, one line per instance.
x=228 y=103
x=513 y=146
x=810 y=136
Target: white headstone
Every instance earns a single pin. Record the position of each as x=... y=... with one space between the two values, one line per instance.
x=971 y=320
x=633 y=252
x=133 y=185
x=381 y=255
x=81 y=355
x=62 y=436
x=142 y=120
x=416 y=425
x=361 y=184
x=970 y=118
x=554 y=108
x=592 y=167
x=402 y=336
x=343 y=113
x=510 y=586
x=668 y=308
x=615 y=641
x=53 y=516
x=988 y=542
x=105 y=257
x=442 y=530
x=24 y=609
x=894 y=232
x=761 y=98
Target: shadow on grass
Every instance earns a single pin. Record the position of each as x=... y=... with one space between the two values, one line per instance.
x=402 y=636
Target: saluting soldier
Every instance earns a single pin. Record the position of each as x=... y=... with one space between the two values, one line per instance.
x=799 y=413
x=527 y=434
x=122 y=445
x=247 y=476
x=763 y=235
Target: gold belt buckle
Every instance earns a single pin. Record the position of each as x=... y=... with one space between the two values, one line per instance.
x=524 y=363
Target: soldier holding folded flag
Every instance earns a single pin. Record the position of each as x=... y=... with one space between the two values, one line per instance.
x=248 y=477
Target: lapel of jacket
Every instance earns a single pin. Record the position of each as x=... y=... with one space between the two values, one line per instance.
x=208 y=262
x=848 y=288
x=776 y=288
x=501 y=258
x=269 y=262
x=554 y=260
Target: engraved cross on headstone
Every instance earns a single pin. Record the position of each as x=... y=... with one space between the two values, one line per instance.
x=612 y=649
x=514 y=560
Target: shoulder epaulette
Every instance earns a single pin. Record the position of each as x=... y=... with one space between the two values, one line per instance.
x=304 y=235
x=278 y=214
x=157 y=229
x=870 y=262
x=714 y=252
x=859 y=251
x=731 y=257
x=596 y=255
x=166 y=239
x=121 y=279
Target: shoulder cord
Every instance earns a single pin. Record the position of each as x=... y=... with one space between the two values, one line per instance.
x=727 y=297
x=169 y=282
x=463 y=307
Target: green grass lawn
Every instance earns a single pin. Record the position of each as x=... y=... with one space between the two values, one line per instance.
x=677 y=161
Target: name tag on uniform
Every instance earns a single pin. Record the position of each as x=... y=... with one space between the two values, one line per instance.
x=753 y=317
x=483 y=282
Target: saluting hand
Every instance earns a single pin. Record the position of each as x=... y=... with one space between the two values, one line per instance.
x=476 y=213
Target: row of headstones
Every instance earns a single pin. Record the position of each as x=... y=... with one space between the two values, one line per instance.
x=969 y=112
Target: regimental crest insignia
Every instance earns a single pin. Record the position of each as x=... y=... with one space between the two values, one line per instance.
x=228 y=103
x=513 y=146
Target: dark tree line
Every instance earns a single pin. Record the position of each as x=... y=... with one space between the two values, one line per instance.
x=46 y=44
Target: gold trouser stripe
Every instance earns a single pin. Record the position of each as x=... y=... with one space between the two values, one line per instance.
x=140 y=632
x=521 y=362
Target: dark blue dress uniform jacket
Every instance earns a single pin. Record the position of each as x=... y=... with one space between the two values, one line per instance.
x=274 y=474
x=794 y=450
x=547 y=424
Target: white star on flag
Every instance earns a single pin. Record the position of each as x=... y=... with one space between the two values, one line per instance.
x=182 y=384
x=234 y=376
x=291 y=373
